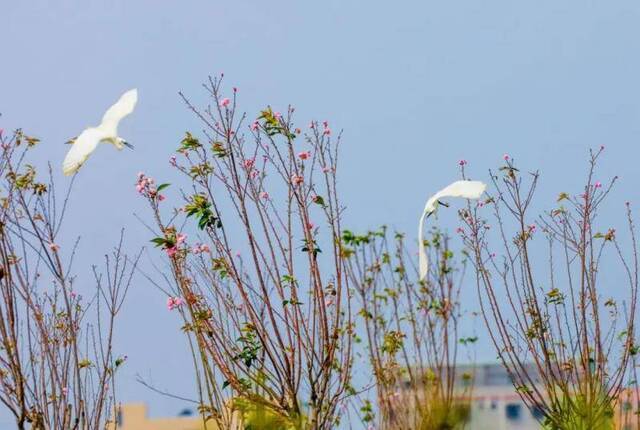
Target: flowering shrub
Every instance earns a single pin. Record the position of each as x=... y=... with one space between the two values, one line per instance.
x=556 y=311
x=411 y=330
x=57 y=360
x=265 y=292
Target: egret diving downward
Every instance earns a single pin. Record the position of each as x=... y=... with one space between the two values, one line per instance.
x=465 y=189
x=106 y=132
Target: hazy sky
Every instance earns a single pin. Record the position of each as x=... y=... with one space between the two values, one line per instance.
x=416 y=85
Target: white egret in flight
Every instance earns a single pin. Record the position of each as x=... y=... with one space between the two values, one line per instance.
x=106 y=132
x=465 y=189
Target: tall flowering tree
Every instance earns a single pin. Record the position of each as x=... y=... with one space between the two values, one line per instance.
x=411 y=331
x=545 y=300
x=261 y=285
x=57 y=359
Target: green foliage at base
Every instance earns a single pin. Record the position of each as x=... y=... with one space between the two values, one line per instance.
x=257 y=416
x=443 y=416
x=581 y=412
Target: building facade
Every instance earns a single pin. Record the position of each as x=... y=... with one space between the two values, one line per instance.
x=133 y=416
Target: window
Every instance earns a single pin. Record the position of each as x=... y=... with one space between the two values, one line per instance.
x=513 y=411
x=537 y=413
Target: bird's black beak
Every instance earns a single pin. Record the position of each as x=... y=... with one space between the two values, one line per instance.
x=446 y=205
x=127 y=144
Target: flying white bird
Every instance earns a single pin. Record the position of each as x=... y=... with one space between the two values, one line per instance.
x=465 y=189
x=106 y=132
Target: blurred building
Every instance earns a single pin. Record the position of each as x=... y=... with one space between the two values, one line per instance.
x=494 y=402
x=133 y=416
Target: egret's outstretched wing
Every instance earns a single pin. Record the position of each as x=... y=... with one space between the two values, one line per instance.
x=123 y=107
x=465 y=189
x=80 y=150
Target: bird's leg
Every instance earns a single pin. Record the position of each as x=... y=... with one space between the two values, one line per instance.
x=71 y=141
x=127 y=144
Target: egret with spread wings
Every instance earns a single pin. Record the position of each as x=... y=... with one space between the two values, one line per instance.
x=464 y=189
x=106 y=132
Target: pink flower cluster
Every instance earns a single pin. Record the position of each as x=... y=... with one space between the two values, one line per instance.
x=327 y=130
x=304 y=155
x=249 y=164
x=225 y=102
x=146 y=186
x=200 y=248
x=296 y=179
x=174 y=302
x=180 y=238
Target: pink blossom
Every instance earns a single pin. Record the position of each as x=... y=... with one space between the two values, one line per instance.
x=224 y=102
x=601 y=147
x=460 y=230
x=264 y=195
x=145 y=185
x=200 y=248
x=297 y=131
x=532 y=228
x=64 y=390
x=180 y=237
x=255 y=125
x=312 y=124
x=506 y=157
x=598 y=184
x=462 y=162
x=277 y=115
x=248 y=164
x=174 y=302
x=54 y=247
x=325 y=124
x=326 y=169
x=304 y=155
x=161 y=197
x=310 y=225
x=329 y=301
x=297 y=179
x=327 y=131
x=235 y=90
x=171 y=251
x=172 y=160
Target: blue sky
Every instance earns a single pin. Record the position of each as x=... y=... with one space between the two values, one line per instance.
x=416 y=85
